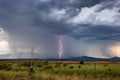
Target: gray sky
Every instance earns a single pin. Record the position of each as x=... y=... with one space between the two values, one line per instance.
x=89 y=27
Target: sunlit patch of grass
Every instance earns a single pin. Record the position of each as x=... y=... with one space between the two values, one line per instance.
x=11 y=75
x=63 y=71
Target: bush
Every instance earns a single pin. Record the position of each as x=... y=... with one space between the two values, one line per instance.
x=71 y=67
x=64 y=65
x=31 y=69
x=27 y=64
x=79 y=66
x=39 y=65
x=81 y=62
x=56 y=66
x=5 y=67
x=48 y=67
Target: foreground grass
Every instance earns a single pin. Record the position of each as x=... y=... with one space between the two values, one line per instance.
x=9 y=75
x=59 y=71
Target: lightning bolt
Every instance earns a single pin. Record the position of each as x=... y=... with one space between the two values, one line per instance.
x=60 y=46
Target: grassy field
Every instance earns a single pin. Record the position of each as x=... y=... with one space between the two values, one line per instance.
x=59 y=70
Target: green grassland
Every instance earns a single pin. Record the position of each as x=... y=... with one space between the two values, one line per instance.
x=59 y=70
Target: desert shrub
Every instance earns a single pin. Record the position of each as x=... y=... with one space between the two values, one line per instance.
x=5 y=67
x=57 y=65
x=48 y=67
x=64 y=65
x=81 y=62
x=79 y=66
x=9 y=68
x=27 y=64
x=39 y=65
x=31 y=70
x=71 y=67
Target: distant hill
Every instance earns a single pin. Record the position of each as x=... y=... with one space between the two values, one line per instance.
x=81 y=58
x=86 y=58
x=115 y=59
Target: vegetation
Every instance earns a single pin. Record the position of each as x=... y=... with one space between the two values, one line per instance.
x=81 y=62
x=61 y=70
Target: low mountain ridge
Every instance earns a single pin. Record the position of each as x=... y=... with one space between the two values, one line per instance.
x=80 y=58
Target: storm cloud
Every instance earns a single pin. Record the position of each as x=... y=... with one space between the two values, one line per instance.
x=35 y=23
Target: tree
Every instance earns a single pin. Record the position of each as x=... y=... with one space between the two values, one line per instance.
x=81 y=62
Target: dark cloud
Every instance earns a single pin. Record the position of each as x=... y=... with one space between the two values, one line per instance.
x=42 y=20
x=99 y=32
x=36 y=12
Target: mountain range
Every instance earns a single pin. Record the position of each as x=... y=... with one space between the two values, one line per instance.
x=86 y=58
x=80 y=58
